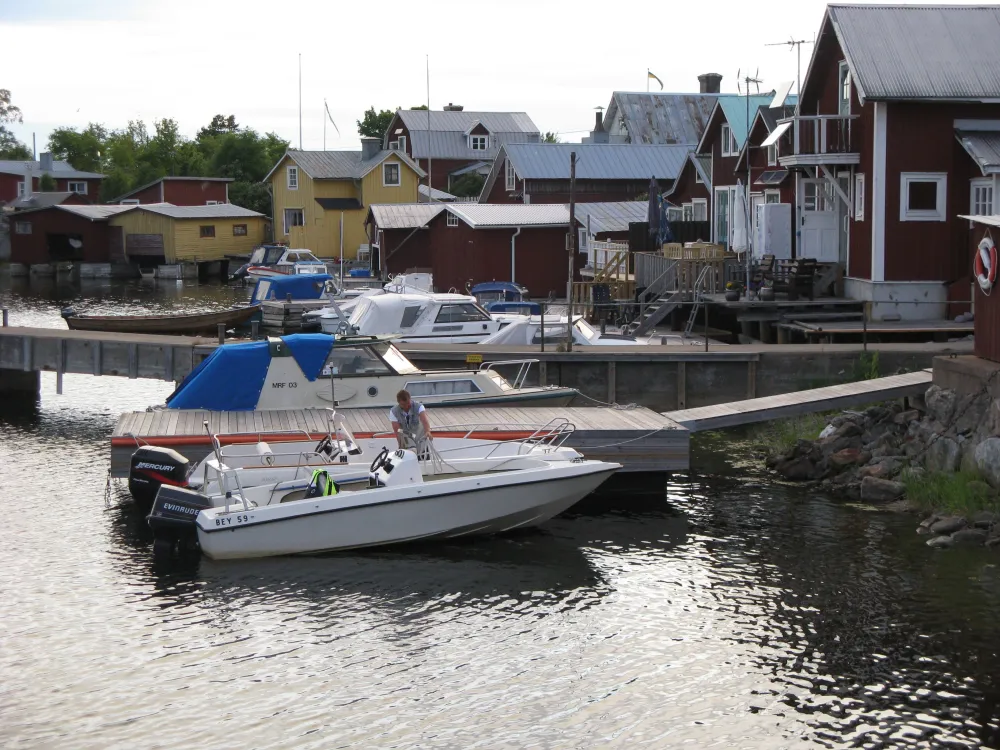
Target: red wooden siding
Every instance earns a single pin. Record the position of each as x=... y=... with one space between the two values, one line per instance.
x=34 y=247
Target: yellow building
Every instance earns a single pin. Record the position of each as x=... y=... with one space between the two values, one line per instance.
x=188 y=233
x=321 y=198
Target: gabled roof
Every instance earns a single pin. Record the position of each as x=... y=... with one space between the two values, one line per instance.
x=918 y=52
x=463 y=121
x=660 y=118
x=509 y=215
x=448 y=137
x=39 y=200
x=340 y=165
x=403 y=215
x=133 y=191
x=702 y=166
x=217 y=211
x=91 y=212
x=60 y=169
x=435 y=194
x=769 y=116
x=732 y=108
x=984 y=148
x=612 y=216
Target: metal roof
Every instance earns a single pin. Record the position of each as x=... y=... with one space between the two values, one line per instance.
x=659 y=118
x=771 y=115
x=59 y=169
x=983 y=147
x=735 y=110
x=501 y=215
x=435 y=194
x=171 y=179
x=448 y=139
x=460 y=122
x=920 y=51
x=340 y=165
x=596 y=161
x=455 y=145
x=611 y=217
x=218 y=211
x=95 y=213
x=992 y=221
x=39 y=200
x=404 y=215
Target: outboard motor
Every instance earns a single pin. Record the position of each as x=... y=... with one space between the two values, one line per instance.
x=152 y=467
x=172 y=519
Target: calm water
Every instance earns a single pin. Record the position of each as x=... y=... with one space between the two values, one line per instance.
x=721 y=610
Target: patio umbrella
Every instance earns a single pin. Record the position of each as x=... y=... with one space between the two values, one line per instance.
x=654 y=210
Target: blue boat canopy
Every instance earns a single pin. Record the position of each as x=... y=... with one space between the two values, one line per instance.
x=232 y=377
x=494 y=287
x=525 y=307
x=300 y=286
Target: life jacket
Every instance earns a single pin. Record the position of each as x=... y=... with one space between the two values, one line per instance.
x=321 y=484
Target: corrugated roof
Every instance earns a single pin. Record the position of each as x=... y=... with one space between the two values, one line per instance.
x=921 y=51
x=596 y=161
x=991 y=221
x=498 y=215
x=59 y=169
x=983 y=147
x=39 y=200
x=404 y=215
x=703 y=165
x=770 y=115
x=171 y=179
x=659 y=118
x=735 y=110
x=218 y=211
x=95 y=213
x=340 y=165
x=441 y=121
x=438 y=195
x=611 y=217
x=455 y=145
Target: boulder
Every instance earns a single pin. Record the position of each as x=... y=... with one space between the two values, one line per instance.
x=993 y=541
x=930 y=521
x=941 y=541
x=882 y=468
x=876 y=490
x=948 y=525
x=905 y=417
x=827 y=431
x=800 y=469
x=940 y=403
x=943 y=454
x=847 y=429
x=988 y=460
x=970 y=412
x=984 y=519
x=847 y=457
x=970 y=536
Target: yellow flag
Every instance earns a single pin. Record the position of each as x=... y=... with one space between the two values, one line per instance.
x=652 y=75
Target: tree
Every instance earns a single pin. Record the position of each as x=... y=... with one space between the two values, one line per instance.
x=220 y=124
x=469 y=185
x=253 y=195
x=8 y=112
x=83 y=150
x=550 y=137
x=11 y=148
x=46 y=183
x=375 y=124
x=420 y=107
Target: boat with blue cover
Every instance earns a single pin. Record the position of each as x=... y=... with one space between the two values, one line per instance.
x=504 y=297
x=310 y=370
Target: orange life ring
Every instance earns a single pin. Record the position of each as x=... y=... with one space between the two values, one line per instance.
x=986 y=264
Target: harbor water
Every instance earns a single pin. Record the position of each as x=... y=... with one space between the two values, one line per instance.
x=714 y=609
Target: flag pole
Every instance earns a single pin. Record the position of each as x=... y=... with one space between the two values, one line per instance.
x=647 y=80
x=300 y=101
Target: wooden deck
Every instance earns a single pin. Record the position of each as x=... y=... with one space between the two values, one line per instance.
x=802 y=402
x=640 y=439
x=857 y=327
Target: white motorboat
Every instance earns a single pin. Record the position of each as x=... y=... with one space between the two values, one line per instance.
x=334 y=319
x=525 y=330
x=309 y=370
x=423 y=318
x=396 y=504
x=278 y=260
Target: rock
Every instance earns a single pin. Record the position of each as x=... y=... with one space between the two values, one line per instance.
x=836 y=444
x=940 y=403
x=880 y=490
x=970 y=412
x=944 y=454
x=905 y=417
x=923 y=530
x=827 y=431
x=984 y=519
x=800 y=469
x=847 y=457
x=948 y=525
x=993 y=541
x=882 y=468
x=930 y=521
x=988 y=460
x=941 y=541
x=970 y=536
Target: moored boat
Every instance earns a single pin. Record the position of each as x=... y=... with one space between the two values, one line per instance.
x=174 y=324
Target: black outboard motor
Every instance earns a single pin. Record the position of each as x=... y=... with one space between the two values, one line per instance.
x=152 y=467
x=173 y=517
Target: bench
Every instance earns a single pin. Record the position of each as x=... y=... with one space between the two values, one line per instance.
x=795 y=277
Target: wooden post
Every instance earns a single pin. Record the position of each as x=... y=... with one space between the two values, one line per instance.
x=255 y=330
x=543 y=372
x=6 y=317
x=98 y=363
x=572 y=251
x=60 y=365
x=133 y=361
x=751 y=379
x=611 y=382
x=682 y=385
x=222 y=333
x=542 y=330
x=168 y=363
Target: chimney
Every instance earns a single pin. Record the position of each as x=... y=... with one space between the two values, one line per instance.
x=370 y=147
x=46 y=159
x=711 y=83
x=453 y=107
x=599 y=134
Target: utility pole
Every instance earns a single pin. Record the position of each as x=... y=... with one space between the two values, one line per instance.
x=572 y=251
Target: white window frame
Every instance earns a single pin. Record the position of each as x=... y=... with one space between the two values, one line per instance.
x=452 y=220
x=772 y=155
x=675 y=213
x=975 y=204
x=697 y=178
x=80 y=189
x=688 y=211
x=128 y=202
x=22 y=227
x=511 y=175
x=727 y=139
x=292 y=179
x=474 y=139
x=21 y=188
x=728 y=190
x=402 y=142
x=938 y=214
x=284 y=218
x=399 y=173
x=211 y=203
x=703 y=204
x=859 y=196
x=843 y=86
x=772 y=194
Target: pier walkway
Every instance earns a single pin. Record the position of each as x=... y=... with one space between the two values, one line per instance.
x=754 y=410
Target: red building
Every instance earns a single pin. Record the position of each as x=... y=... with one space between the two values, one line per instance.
x=180 y=191
x=20 y=178
x=64 y=233
x=453 y=142
x=692 y=191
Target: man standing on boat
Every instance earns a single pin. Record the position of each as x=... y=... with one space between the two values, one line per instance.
x=409 y=421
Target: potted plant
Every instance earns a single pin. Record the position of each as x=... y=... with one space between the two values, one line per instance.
x=733 y=291
x=766 y=293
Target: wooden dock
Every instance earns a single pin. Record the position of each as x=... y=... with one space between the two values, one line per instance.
x=639 y=439
x=802 y=402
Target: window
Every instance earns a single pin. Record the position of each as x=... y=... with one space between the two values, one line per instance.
x=675 y=214
x=21 y=189
x=77 y=187
x=392 y=356
x=922 y=196
x=129 y=202
x=772 y=196
x=700 y=206
x=511 y=175
x=390 y=174
x=464 y=313
x=294 y=217
x=722 y=216
x=239 y=230
x=479 y=142
x=211 y=203
x=207 y=230
x=844 y=106
x=697 y=178
x=402 y=143
x=981 y=199
x=818 y=196
x=410 y=315
x=22 y=227
x=348 y=361
x=772 y=155
x=727 y=139
x=292 y=178
x=688 y=212
x=452 y=220
x=421 y=388
x=859 y=197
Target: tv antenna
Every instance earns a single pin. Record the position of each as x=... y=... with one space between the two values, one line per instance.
x=747 y=80
x=795 y=44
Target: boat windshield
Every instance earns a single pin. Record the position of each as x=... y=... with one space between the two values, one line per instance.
x=353 y=361
x=395 y=359
x=587 y=331
x=272 y=255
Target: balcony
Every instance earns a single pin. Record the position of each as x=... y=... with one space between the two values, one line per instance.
x=818 y=140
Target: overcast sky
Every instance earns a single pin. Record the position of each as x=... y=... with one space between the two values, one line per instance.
x=70 y=62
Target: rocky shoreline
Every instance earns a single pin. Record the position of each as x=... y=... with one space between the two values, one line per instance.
x=874 y=456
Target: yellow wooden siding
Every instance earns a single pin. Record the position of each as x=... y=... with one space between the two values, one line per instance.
x=189 y=245
x=146 y=222
x=373 y=192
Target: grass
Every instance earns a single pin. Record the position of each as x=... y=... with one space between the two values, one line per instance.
x=778 y=436
x=949 y=493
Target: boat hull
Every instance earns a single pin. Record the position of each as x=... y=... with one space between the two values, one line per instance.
x=191 y=324
x=334 y=524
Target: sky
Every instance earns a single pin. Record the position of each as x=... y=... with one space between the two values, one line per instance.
x=70 y=62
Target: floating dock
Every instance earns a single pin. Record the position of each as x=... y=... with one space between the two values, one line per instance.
x=639 y=439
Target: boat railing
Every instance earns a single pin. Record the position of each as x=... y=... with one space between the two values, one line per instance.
x=522 y=373
x=553 y=434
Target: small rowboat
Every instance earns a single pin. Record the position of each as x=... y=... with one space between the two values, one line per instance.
x=193 y=323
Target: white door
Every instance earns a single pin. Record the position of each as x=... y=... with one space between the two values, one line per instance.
x=756 y=200
x=818 y=221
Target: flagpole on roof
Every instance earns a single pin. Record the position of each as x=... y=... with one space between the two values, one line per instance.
x=300 y=101
x=430 y=188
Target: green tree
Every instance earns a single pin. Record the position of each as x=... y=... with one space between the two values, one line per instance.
x=550 y=137
x=421 y=107
x=8 y=112
x=469 y=185
x=220 y=124
x=375 y=123
x=83 y=150
x=253 y=195
x=46 y=183
x=11 y=148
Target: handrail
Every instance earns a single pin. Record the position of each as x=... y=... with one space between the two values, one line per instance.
x=793 y=118
x=522 y=373
x=654 y=290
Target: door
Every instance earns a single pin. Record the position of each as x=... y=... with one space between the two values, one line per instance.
x=818 y=221
x=756 y=200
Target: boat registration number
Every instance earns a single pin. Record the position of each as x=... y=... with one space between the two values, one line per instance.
x=293 y=384
x=232 y=520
